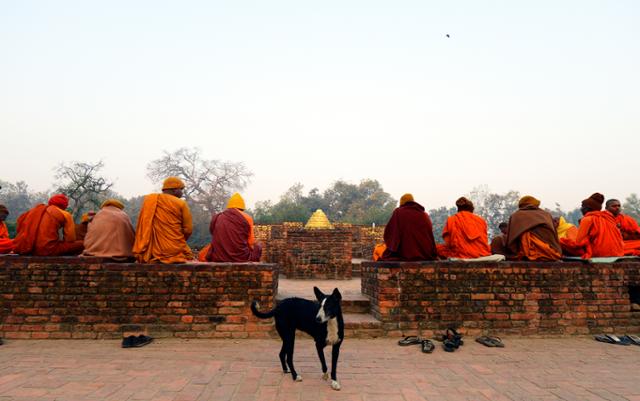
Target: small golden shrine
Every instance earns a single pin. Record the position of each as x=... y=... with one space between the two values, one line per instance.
x=318 y=220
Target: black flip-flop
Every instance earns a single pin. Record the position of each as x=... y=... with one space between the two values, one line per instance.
x=409 y=340
x=128 y=342
x=617 y=340
x=142 y=340
x=486 y=341
x=603 y=339
x=427 y=346
x=449 y=345
x=635 y=340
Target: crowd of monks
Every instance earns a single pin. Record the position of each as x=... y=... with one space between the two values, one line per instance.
x=531 y=233
x=165 y=224
x=163 y=228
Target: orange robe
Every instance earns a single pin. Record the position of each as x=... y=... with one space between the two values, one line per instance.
x=628 y=227
x=164 y=225
x=109 y=235
x=6 y=244
x=38 y=232
x=465 y=237
x=598 y=236
x=378 y=251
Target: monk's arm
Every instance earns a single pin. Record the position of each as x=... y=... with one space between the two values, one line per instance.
x=583 y=231
x=69 y=230
x=187 y=221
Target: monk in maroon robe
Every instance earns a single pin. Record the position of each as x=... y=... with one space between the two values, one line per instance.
x=232 y=237
x=409 y=233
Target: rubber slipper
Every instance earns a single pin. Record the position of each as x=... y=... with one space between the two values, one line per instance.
x=427 y=346
x=142 y=340
x=486 y=341
x=128 y=342
x=497 y=342
x=634 y=339
x=616 y=340
x=625 y=340
x=409 y=340
x=603 y=339
x=449 y=346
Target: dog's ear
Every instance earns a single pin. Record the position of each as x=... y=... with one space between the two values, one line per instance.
x=319 y=295
x=336 y=294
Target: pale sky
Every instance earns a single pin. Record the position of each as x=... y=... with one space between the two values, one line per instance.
x=541 y=97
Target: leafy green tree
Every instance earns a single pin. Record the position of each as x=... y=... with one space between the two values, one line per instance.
x=18 y=198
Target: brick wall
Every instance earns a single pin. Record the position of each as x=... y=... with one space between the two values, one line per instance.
x=318 y=254
x=523 y=298
x=68 y=297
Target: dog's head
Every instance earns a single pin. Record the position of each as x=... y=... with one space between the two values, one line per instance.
x=329 y=305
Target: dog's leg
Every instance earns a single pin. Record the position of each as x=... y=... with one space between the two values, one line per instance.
x=289 y=343
x=283 y=354
x=320 y=349
x=335 y=353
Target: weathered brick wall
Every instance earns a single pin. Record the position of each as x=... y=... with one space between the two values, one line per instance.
x=318 y=254
x=524 y=298
x=68 y=297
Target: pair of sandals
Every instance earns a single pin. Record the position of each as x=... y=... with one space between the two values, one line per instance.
x=621 y=340
x=426 y=346
x=452 y=340
x=490 y=341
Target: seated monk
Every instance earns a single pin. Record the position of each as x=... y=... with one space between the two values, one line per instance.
x=232 y=237
x=81 y=229
x=565 y=229
x=164 y=225
x=464 y=234
x=6 y=244
x=499 y=242
x=598 y=234
x=37 y=230
x=409 y=233
x=628 y=225
x=110 y=233
x=531 y=234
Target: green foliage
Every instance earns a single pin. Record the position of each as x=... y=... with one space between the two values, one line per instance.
x=439 y=219
x=365 y=203
x=18 y=198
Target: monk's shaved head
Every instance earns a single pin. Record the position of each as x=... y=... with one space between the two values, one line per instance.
x=613 y=206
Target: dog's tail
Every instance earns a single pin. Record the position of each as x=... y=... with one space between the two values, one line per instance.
x=261 y=315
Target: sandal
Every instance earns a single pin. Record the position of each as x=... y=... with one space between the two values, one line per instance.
x=449 y=346
x=486 y=341
x=427 y=346
x=617 y=340
x=635 y=340
x=497 y=342
x=603 y=339
x=409 y=340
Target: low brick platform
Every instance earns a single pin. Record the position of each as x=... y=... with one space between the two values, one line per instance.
x=524 y=298
x=318 y=254
x=70 y=297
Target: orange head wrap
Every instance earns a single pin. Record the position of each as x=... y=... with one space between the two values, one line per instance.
x=112 y=202
x=528 y=201
x=594 y=202
x=236 y=202
x=464 y=205
x=59 y=200
x=406 y=198
x=172 y=183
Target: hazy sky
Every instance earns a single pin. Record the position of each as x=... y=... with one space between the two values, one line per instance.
x=541 y=97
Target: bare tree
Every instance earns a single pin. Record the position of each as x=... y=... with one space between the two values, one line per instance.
x=83 y=185
x=209 y=183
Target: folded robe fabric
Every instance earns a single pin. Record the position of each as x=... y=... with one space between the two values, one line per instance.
x=110 y=234
x=409 y=234
x=465 y=236
x=232 y=238
x=164 y=225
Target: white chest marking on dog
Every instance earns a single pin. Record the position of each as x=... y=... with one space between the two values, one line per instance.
x=332 y=331
x=321 y=315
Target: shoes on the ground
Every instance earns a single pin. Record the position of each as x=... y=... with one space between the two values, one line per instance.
x=127 y=342
x=490 y=341
x=427 y=346
x=1 y=342
x=136 y=341
x=613 y=339
x=409 y=340
x=635 y=340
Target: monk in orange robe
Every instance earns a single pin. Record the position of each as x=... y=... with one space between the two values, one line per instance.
x=110 y=233
x=409 y=233
x=531 y=234
x=232 y=236
x=598 y=235
x=628 y=227
x=499 y=242
x=464 y=234
x=38 y=230
x=378 y=251
x=6 y=244
x=164 y=226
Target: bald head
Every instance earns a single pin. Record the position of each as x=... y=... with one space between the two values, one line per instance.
x=613 y=206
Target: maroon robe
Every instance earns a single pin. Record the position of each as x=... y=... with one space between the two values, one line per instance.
x=409 y=234
x=230 y=232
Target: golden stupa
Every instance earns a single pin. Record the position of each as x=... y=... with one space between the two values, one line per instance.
x=318 y=220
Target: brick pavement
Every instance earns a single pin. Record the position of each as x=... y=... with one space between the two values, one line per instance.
x=182 y=370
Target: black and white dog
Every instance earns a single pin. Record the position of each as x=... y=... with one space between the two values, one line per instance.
x=322 y=320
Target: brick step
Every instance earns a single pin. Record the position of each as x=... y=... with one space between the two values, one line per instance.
x=351 y=303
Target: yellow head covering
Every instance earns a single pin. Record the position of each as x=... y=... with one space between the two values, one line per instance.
x=112 y=202
x=236 y=202
x=563 y=227
x=172 y=183
x=406 y=198
x=84 y=218
x=528 y=201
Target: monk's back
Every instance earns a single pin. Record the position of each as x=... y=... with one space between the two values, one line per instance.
x=110 y=234
x=229 y=233
x=603 y=234
x=409 y=234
